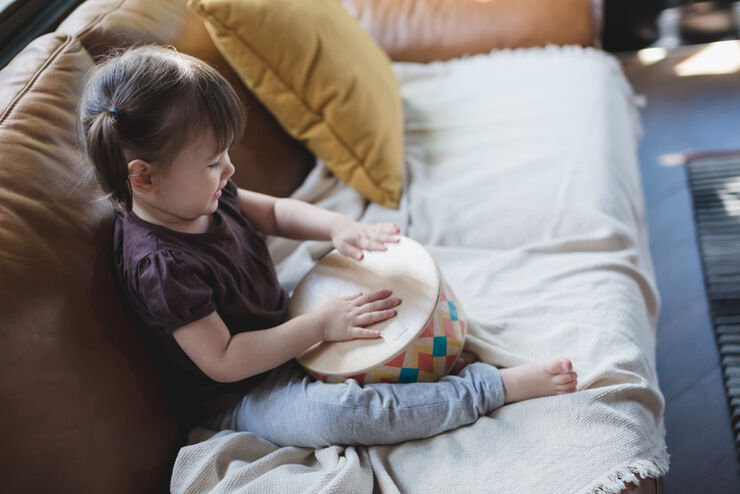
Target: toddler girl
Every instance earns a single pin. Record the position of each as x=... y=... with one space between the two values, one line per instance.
x=191 y=261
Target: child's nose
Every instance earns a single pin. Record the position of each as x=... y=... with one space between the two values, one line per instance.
x=229 y=168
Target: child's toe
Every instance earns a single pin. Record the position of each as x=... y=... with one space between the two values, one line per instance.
x=558 y=366
x=566 y=388
x=564 y=378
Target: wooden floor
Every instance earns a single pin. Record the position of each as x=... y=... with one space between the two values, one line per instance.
x=690 y=113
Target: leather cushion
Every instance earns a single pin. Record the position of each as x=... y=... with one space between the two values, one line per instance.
x=427 y=30
x=267 y=159
x=84 y=408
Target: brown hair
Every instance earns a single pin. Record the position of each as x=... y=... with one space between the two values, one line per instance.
x=145 y=103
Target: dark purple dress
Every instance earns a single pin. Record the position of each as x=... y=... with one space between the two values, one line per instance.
x=171 y=279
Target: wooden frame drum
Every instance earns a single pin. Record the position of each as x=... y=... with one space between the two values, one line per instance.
x=421 y=343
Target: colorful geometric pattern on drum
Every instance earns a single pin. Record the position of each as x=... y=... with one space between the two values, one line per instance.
x=430 y=356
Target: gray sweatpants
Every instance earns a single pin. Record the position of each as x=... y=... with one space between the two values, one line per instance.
x=289 y=408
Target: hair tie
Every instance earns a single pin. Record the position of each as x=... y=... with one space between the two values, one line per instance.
x=114 y=112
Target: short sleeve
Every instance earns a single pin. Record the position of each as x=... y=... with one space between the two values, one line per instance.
x=173 y=290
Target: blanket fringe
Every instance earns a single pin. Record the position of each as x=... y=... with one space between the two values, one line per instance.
x=614 y=483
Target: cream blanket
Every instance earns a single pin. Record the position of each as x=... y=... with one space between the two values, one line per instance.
x=522 y=181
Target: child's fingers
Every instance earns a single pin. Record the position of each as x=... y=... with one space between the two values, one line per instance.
x=369 y=318
x=388 y=238
x=364 y=333
x=383 y=304
x=372 y=297
x=352 y=297
x=388 y=227
x=370 y=243
x=383 y=240
x=352 y=252
x=385 y=230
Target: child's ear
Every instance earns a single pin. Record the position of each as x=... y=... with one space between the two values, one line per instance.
x=140 y=176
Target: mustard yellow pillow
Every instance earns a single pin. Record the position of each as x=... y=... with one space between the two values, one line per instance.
x=325 y=80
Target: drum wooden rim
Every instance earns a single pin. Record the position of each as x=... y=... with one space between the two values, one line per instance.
x=314 y=358
x=369 y=367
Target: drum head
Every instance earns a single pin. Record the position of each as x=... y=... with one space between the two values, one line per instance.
x=406 y=268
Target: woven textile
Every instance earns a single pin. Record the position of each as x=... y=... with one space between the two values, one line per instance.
x=523 y=183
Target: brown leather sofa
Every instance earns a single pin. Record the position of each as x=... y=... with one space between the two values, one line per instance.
x=85 y=407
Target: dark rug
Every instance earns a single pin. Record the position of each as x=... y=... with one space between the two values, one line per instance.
x=714 y=181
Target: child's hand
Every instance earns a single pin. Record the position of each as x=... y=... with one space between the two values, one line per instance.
x=344 y=318
x=350 y=237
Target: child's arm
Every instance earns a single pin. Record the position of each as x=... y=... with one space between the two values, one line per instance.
x=226 y=358
x=300 y=220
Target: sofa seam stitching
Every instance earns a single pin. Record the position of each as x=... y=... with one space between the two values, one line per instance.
x=99 y=18
x=70 y=39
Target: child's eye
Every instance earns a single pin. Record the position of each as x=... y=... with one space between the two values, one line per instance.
x=215 y=165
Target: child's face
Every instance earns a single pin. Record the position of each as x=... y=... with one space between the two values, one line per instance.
x=192 y=185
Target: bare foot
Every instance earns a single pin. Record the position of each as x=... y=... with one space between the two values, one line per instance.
x=545 y=377
x=464 y=359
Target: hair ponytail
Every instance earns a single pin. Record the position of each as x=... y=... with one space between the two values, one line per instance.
x=104 y=147
x=146 y=103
